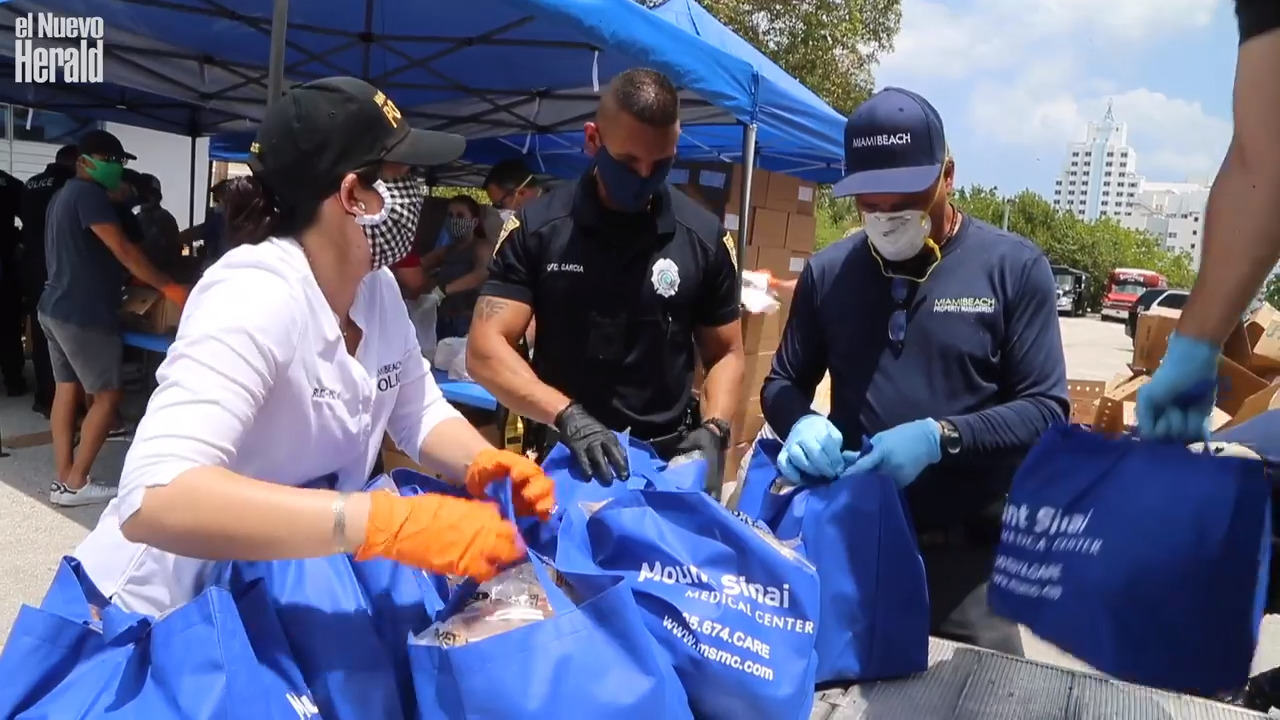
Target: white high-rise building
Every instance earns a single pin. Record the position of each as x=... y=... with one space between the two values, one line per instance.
x=1099 y=177
x=1173 y=212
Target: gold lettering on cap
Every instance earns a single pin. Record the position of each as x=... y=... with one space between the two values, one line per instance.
x=388 y=108
x=255 y=148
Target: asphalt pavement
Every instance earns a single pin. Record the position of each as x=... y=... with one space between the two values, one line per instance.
x=34 y=535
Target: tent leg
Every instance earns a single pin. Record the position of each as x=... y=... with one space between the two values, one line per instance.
x=275 y=68
x=191 y=187
x=748 y=176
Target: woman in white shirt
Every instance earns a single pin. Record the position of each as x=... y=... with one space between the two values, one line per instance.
x=294 y=355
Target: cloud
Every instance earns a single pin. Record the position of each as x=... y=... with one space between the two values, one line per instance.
x=1024 y=66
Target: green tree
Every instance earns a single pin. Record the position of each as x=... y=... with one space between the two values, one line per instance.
x=1096 y=247
x=831 y=46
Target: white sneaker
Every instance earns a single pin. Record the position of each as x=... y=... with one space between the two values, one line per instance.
x=91 y=494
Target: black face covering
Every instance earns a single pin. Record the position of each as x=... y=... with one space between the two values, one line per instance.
x=625 y=187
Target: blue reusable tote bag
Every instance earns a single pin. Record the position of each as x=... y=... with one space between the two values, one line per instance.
x=592 y=659
x=734 y=609
x=1141 y=558
x=217 y=657
x=874 y=613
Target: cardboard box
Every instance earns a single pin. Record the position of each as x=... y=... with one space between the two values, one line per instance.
x=759 y=188
x=707 y=183
x=1258 y=403
x=748 y=420
x=1116 y=407
x=782 y=263
x=807 y=199
x=1084 y=396
x=146 y=310
x=802 y=231
x=757 y=368
x=761 y=332
x=1236 y=385
x=1263 y=333
x=768 y=228
x=783 y=193
x=1151 y=338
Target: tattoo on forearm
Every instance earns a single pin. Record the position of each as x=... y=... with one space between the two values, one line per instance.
x=487 y=308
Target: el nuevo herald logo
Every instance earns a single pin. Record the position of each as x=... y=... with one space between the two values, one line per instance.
x=50 y=48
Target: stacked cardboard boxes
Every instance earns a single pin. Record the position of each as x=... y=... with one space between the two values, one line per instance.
x=145 y=310
x=1248 y=375
x=781 y=212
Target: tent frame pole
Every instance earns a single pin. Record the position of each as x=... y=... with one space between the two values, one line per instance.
x=275 y=68
x=744 y=202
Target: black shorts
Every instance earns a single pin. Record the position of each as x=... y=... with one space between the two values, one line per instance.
x=1257 y=17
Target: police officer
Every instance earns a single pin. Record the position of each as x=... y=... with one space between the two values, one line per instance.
x=510 y=184
x=35 y=202
x=623 y=274
x=12 y=358
x=941 y=336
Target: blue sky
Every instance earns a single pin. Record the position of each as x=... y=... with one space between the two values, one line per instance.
x=1016 y=80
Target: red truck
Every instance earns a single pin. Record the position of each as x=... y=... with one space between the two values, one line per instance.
x=1124 y=285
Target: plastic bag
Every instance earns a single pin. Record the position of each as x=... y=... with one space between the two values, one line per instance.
x=451 y=356
x=423 y=316
x=513 y=599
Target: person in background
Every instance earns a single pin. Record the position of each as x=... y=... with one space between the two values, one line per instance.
x=39 y=190
x=458 y=269
x=159 y=226
x=13 y=358
x=952 y=363
x=510 y=184
x=126 y=200
x=625 y=276
x=1241 y=239
x=89 y=258
x=293 y=359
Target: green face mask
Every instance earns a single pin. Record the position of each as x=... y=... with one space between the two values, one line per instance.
x=105 y=173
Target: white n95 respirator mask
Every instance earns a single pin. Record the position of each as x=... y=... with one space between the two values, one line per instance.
x=898 y=236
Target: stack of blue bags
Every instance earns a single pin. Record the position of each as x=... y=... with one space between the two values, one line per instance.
x=666 y=605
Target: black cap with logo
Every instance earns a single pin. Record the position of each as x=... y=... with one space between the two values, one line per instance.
x=318 y=132
x=100 y=143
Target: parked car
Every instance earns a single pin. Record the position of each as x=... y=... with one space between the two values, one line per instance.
x=1155 y=297
x=1071 y=289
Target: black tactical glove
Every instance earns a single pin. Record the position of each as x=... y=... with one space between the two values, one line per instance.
x=711 y=440
x=594 y=446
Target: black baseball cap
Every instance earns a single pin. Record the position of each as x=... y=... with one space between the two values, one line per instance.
x=101 y=142
x=318 y=132
x=893 y=143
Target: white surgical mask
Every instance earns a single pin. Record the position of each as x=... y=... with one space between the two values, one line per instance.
x=898 y=236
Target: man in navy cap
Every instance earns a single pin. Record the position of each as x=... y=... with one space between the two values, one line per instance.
x=941 y=336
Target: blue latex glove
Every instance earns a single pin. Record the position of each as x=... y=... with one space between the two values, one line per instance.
x=902 y=452
x=1176 y=404
x=812 y=451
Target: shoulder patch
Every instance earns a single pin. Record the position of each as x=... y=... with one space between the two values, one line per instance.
x=508 y=227
x=732 y=246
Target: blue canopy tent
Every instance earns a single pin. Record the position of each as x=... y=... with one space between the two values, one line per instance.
x=484 y=68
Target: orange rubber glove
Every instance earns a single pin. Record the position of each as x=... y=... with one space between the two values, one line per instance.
x=441 y=534
x=176 y=294
x=535 y=493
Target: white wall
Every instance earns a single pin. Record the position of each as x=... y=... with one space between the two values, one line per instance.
x=168 y=157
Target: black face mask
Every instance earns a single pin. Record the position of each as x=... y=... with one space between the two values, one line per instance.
x=627 y=189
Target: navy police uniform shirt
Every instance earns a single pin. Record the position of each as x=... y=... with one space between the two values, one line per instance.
x=982 y=349
x=616 y=299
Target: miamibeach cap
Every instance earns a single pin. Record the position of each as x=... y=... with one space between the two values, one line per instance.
x=893 y=143
x=318 y=132
x=104 y=144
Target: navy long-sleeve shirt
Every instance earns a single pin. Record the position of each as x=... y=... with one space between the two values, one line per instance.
x=982 y=349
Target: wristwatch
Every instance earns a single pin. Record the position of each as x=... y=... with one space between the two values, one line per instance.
x=950 y=440
x=721 y=429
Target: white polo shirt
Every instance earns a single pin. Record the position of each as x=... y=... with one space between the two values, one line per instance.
x=259 y=381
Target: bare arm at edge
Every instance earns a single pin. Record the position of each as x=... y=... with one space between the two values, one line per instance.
x=1242 y=221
